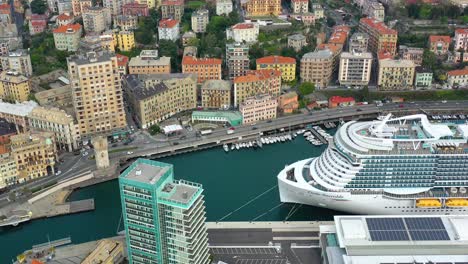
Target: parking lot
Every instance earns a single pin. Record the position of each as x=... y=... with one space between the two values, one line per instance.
x=261 y=261
x=243 y=251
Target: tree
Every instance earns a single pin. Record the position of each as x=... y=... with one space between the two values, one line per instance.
x=169 y=49
x=154 y=129
x=425 y=12
x=38 y=7
x=429 y=59
x=306 y=88
x=331 y=22
x=288 y=52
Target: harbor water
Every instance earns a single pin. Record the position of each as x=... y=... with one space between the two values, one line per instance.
x=239 y=185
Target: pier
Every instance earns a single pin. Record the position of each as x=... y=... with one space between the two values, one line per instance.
x=318 y=136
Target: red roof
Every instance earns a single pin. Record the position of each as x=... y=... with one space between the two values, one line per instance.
x=458 y=72
x=382 y=55
x=378 y=25
x=122 y=60
x=38 y=23
x=168 y=23
x=64 y=17
x=437 y=38
x=189 y=60
x=173 y=2
x=461 y=31
x=135 y=5
x=257 y=75
x=339 y=99
x=243 y=26
x=332 y=47
x=275 y=60
x=341 y=28
x=5 y=8
x=35 y=261
x=38 y=17
x=72 y=28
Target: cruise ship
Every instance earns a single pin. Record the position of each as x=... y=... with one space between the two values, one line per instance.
x=393 y=165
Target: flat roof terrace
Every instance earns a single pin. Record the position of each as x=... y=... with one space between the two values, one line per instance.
x=146 y=171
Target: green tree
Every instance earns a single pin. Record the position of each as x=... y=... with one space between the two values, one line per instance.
x=169 y=48
x=38 y=7
x=288 y=52
x=306 y=88
x=425 y=12
x=331 y=22
x=429 y=59
x=154 y=129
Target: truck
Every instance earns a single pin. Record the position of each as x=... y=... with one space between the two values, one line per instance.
x=206 y=132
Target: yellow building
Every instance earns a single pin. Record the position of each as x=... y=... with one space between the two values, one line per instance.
x=396 y=74
x=150 y=3
x=125 y=40
x=8 y=171
x=107 y=252
x=97 y=93
x=286 y=65
x=263 y=7
x=216 y=94
x=34 y=154
x=14 y=86
x=256 y=83
x=156 y=97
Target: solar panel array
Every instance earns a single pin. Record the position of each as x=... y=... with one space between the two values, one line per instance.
x=405 y=229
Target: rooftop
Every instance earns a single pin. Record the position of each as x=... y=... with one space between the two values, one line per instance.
x=147 y=61
x=55 y=115
x=12 y=77
x=258 y=75
x=173 y=2
x=319 y=54
x=122 y=60
x=229 y=115
x=421 y=69
x=180 y=192
x=243 y=26
x=378 y=25
x=140 y=90
x=276 y=60
x=19 y=109
x=146 y=171
x=340 y=99
x=335 y=49
x=437 y=38
x=168 y=23
x=6 y=128
x=458 y=72
x=217 y=85
x=297 y=37
x=461 y=31
x=64 y=16
x=91 y=57
x=71 y=28
x=189 y=60
x=356 y=55
x=396 y=63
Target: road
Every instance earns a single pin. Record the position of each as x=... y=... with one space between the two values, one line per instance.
x=145 y=145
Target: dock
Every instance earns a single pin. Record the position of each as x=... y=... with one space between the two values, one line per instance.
x=317 y=135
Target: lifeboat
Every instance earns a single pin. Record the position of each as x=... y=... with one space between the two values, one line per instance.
x=428 y=203
x=456 y=202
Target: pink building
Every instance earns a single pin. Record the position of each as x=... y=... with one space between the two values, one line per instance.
x=135 y=9
x=64 y=19
x=258 y=108
x=461 y=39
x=37 y=24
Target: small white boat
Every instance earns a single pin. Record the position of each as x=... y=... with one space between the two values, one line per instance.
x=262 y=140
x=233 y=146
x=225 y=147
x=267 y=141
x=237 y=146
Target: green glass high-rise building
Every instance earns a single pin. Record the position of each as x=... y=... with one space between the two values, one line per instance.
x=164 y=218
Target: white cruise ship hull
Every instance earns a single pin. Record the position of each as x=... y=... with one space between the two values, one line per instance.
x=304 y=193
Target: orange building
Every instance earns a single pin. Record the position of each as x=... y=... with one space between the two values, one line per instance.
x=336 y=101
x=439 y=44
x=288 y=102
x=339 y=36
x=206 y=68
x=381 y=37
x=255 y=83
x=122 y=63
x=263 y=7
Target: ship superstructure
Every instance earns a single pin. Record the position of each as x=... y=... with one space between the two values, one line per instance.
x=402 y=165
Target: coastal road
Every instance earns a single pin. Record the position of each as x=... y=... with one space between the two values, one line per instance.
x=75 y=165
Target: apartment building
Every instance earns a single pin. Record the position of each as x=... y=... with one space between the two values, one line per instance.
x=457 y=78
x=355 y=68
x=223 y=7
x=288 y=102
x=135 y=9
x=58 y=122
x=67 y=37
x=439 y=44
x=187 y=36
x=206 y=68
x=149 y=63
x=243 y=32
x=216 y=94
x=168 y=29
x=14 y=87
x=125 y=40
x=258 y=108
x=170 y=212
x=412 y=54
x=156 y=97
x=78 y=6
x=35 y=155
x=115 y=6
x=300 y=6
x=237 y=59
x=317 y=67
x=297 y=41
x=319 y=12
x=396 y=74
x=8 y=170
x=37 y=24
x=358 y=42
x=262 y=7
x=64 y=6
x=7 y=130
x=173 y=9
x=374 y=10
x=126 y=23
x=339 y=36
x=122 y=62
x=19 y=61
x=64 y=19
x=96 y=19
x=17 y=114
x=461 y=39
x=255 y=83
x=200 y=19
x=381 y=37
x=423 y=77
x=150 y=3
x=286 y=65
x=97 y=93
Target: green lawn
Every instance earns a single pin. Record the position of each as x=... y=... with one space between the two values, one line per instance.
x=195 y=4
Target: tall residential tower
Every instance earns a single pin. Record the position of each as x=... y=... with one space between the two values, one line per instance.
x=164 y=218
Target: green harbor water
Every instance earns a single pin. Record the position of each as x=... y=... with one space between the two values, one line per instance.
x=239 y=186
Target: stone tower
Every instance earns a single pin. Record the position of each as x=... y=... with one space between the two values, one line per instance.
x=100 y=152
